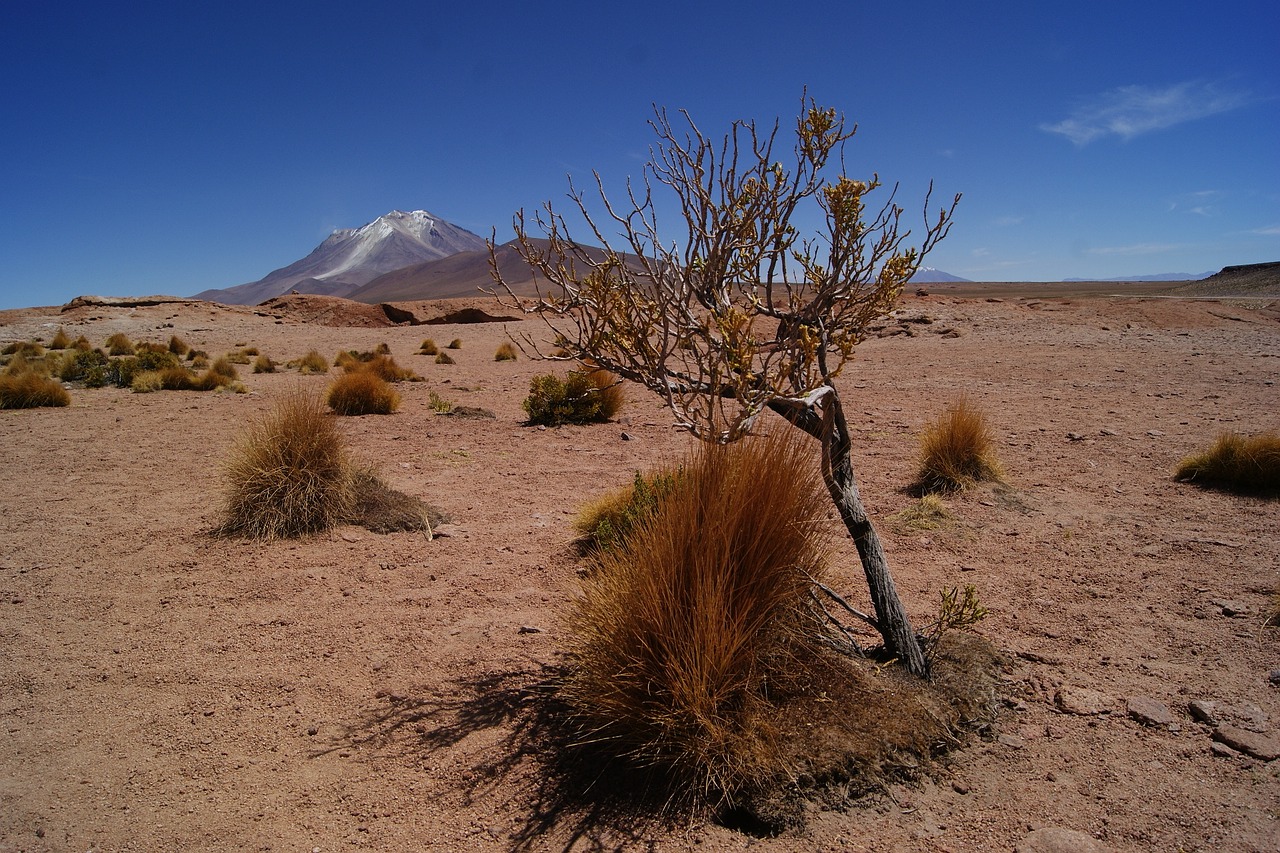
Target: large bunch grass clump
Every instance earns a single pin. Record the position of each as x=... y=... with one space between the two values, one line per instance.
x=1236 y=463
x=290 y=474
x=606 y=521
x=362 y=393
x=583 y=397
x=30 y=389
x=957 y=450
x=681 y=633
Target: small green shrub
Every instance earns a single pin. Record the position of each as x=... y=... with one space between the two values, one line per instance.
x=606 y=521
x=439 y=404
x=87 y=366
x=1236 y=463
x=31 y=390
x=582 y=397
x=362 y=393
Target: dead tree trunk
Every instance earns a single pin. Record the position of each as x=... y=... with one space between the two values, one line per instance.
x=837 y=471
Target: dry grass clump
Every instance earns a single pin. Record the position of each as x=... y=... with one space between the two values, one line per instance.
x=29 y=389
x=222 y=366
x=582 y=397
x=288 y=475
x=385 y=367
x=928 y=513
x=178 y=346
x=313 y=362
x=82 y=344
x=700 y=655
x=1249 y=464
x=956 y=450
x=362 y=393
x=456 y=343
x=119 y=344
x=26 y=349
x=428 y=347
x=264 y=364
x=506 y=352
x=61 y=340
x=444 y=358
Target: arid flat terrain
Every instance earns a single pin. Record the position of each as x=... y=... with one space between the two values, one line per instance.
x=165 y=689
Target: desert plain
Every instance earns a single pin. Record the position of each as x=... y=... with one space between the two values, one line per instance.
x=163 y=688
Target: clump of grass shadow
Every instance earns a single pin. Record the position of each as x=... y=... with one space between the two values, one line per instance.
x=381 y=509
x=1236 y=463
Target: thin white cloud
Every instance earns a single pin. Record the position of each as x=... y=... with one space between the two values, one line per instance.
x=1135 y=249
x=1130 y=111
x=1006 y=221
x=1268 y=231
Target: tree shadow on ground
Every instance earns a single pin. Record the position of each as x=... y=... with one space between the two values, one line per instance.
x=593 y=802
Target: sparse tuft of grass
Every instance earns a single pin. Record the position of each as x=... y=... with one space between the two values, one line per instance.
x=147 y=382
x=929 y=513
x=288 y=475
x=383 y=348
x=264 y=364
x=456 y=343
x=428 y=347
x=119 y=344
x=606 y=521
x=82 y=344
x=444 y=358
x=506 y=352
x=956 y=450
x=1236 y=463
x=30 y=389
x=385 y=368
x=178 y=346
x=223 y=367
x=61 y=340
x=439 y=404
x=362 y=393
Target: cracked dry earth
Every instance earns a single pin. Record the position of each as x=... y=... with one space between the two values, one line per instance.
x=162 y=689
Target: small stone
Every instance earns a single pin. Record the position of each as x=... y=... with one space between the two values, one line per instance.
x=1222 y=750
x=959 y=787
x=312 y=730
x=529 y=629
x=1154 y=433
x=1075 y=436
x=1275 y=678
x=626 y=436
x=1230 y=609
x=1262 y=747
x=1149 y=712
x=1082 y=701
x=1052 y=839
x=1106 y=431
x=1012 y=741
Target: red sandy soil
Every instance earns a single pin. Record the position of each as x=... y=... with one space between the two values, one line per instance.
x=163 y=689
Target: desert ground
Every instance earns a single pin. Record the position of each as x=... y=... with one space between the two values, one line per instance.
x=162 y=688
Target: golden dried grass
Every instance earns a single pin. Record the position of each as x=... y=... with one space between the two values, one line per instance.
x=1248 y=464
x=30 y=389
x=362 y=393
x=957 y=450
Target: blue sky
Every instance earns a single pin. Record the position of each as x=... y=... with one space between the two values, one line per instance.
x=170 y=147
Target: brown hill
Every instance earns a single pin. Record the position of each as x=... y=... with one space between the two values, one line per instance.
x=1240 y=280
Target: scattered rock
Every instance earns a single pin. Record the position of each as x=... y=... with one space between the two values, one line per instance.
x=1222 y=750
x=1231 y=609
x=959 y=787
x=1082 y=701
x=1106 y=431
x=1075 y=436
x=626 y=436
x=1011 y=741
x=1262 y=747
x=1149 y=712
x=1203 y=711
x=1275 y=678
x=1154 y=433
x=1052 y=839
x=529 y=629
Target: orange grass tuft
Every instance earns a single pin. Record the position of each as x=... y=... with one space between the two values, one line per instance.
x=1236 y=463
x=362 y=393
x=29 y=389
x=956 y=450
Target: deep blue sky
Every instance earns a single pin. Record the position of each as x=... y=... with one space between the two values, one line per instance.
x=171 y=147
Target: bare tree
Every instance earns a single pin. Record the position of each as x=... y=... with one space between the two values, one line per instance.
x=743 y=315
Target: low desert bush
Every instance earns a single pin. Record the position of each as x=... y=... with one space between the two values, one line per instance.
x=506 y=352
x=381 y=509
x=428 y=347
x=956 y=450
x=119 y=344
x=456 y=343
x=313 y=362
x=178 y=346
x=82 y=344
x=290 y=474
x=61 y=340
x=1236 y=463
x=87 y=366
x=142 y=347
x=238 y=357
x=444 y=358
x=196 y=355
x=439 y=404
x=263 y=364
x=29 y=390
x=583 y=397
x=362 y=393
x=26 y=349
x=606 y=521
x=385 y=368
x=147 y=382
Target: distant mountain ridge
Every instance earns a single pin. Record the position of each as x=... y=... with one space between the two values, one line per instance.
x=352 y=257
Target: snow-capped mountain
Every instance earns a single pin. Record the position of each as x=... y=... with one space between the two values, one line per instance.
x=351 y=257
x=929 y=274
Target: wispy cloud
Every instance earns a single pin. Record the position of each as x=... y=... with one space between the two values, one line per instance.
x=1268 y=231
x=1135 y=249
x=1007 y=221
x=1130 y=111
